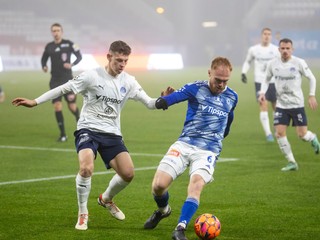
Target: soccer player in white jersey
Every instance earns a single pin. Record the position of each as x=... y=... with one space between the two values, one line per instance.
x=287 y=72
x=105 y=90
x=260 y=54
x=211 y=104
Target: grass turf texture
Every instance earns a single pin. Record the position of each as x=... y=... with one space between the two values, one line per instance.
x=252 y=198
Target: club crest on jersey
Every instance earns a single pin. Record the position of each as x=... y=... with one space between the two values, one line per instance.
x=123 y=91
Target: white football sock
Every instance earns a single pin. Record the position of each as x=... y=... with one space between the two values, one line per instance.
x=286 y=148
x=309 y=136
x=264 y=119
x=83 y=186
x=116 y=185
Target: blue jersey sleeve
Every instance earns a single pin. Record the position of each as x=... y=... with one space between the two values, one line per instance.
x=187 y=92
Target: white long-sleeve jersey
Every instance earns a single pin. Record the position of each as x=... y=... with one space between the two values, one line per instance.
x=261 y=55
x=288 y=80
x=104 y=96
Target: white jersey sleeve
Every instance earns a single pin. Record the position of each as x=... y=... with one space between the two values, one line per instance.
x=248 y=60
x=138 y=94
x=54 y=93
x=305 y=70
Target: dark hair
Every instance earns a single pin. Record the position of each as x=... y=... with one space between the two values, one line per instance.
x=120 y=47
x=56 y=25
x=285 y=40
x=218 y=61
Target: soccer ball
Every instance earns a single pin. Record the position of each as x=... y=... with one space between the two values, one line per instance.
x=207 y=226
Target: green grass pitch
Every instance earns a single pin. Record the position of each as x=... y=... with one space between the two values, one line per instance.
x=251 y=196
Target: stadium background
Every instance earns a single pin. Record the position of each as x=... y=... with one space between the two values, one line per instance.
x=253 y=199
x=25 y=28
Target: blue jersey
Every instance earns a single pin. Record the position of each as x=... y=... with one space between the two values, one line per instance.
x=208 y=117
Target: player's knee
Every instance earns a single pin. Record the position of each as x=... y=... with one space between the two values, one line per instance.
x=159 y=186
x=128 y=177
x=86 y=172
x=158 y=189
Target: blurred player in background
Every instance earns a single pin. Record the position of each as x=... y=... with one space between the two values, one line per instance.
x=105 y=92
x=209 y=116
x=260 y=54
x=2 y=95
x=287 y=72
x=59 y=51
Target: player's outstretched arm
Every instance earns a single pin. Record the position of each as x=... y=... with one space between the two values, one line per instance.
x=24 y=102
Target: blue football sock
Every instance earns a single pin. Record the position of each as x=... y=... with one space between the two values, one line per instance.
x=189 y=208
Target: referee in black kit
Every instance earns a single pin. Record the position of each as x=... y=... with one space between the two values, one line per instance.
x=59 y=51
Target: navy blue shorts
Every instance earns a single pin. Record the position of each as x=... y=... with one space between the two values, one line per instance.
x=284 y=116
x=108 y=145
x=271 y=94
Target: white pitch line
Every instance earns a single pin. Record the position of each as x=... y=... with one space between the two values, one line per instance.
x=73 y=176
x=66 y=176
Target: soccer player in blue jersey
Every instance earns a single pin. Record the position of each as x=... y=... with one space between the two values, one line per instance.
x=211 y=104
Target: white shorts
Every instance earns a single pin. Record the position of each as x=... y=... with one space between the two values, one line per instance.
x=182 y=155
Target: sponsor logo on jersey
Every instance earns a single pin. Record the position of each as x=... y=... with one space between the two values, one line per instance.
x=108 y=99
x=64 y=45
x=108 y=110
x=57 y=49
x=214 y=111
x=285 y=78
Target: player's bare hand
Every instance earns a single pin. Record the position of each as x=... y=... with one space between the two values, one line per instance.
x=45 y=69
x=261 y=98
x=24 y=102
x=313 y=102
x=168 y=91
x=67 y=65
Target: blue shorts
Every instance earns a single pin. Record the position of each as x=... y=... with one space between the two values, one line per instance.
x=271 y=95
x=107 y=144
x=284 y=116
